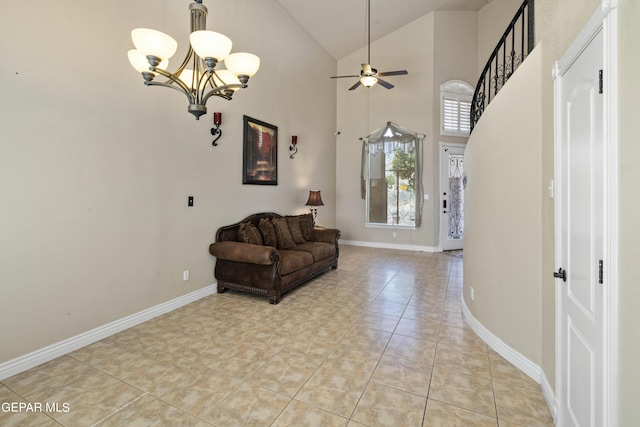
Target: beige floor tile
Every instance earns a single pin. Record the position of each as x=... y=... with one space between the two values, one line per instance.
x=505 y=372
x=403 y=374
x=353 y=360
x=379 y=321
x=200 y=394
x=367 y=337
x=442 y=415
x=419 y=350
x=284 y=374
x=461 y=359
x=465 y=391
x=160 y=414
x=300 y=414
x=248 y=405
x=417 y=329
x=385 y=406
x=332 y=391
x=521 y=405
x=242 y=361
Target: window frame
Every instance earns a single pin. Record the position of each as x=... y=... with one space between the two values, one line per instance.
x=461 y=92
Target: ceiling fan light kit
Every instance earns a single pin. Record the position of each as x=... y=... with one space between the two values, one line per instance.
x=368 y=76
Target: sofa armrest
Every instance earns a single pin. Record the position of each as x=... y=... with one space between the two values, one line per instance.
x=329 y=235
x=244 y=252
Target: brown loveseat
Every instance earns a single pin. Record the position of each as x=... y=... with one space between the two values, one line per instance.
x=269 y=254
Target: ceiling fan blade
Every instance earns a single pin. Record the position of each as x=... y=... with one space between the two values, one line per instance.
x=366 y=69
x=385 y=84
x=340 y=77
x=355 y=85
x=394 y=73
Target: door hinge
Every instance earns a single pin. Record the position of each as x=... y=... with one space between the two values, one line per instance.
x=600 y=272
x=600 y=84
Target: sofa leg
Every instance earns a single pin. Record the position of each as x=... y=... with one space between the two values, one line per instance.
x=222 y=289
x=274 y=299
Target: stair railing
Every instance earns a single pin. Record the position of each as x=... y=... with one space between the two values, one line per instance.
x=512 y=49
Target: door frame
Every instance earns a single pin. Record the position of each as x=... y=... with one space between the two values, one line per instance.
x=442 y=146
x=604 y=19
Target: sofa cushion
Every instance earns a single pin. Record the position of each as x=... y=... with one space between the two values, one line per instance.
x=318 y=250
x=249 y=233
x=294 y=228
x=306 y=225
x=268 y=232
x=293 y=260
x=283 y=235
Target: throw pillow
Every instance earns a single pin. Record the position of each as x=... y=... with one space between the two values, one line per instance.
x=306 y=226
x=283 y=235
x=294 y=228
x=268 y=233
x=249 y=233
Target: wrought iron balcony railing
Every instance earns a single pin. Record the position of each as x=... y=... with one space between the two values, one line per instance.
x=512 y=49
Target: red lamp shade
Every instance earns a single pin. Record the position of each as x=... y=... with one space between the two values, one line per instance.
x=217 y=118
x=314 y=199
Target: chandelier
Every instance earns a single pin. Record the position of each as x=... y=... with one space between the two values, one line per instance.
x=206 y=50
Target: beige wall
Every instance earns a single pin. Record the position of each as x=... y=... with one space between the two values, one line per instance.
x=628 y=393
x=502 y=213
x=96 y=168
x=435 y=48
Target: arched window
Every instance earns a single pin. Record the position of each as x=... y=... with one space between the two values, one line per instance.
x=456 y=98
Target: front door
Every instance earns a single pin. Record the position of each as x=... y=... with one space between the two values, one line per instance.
x=580 y=250
x=452 y=196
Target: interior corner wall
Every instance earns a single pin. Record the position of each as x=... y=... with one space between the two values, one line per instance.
x=434 y=48
x=502 y=206
x=96 y=168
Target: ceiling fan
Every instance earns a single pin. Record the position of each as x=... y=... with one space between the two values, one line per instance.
x=370 y=76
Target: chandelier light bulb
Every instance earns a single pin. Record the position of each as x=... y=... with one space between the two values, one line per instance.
x=242 y=63
x=226 y=77
x=209 y=44
x=154 y=43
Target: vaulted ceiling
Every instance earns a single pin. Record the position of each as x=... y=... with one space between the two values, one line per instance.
x=340 y=26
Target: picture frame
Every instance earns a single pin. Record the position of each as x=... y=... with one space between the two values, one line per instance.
x=259 y=152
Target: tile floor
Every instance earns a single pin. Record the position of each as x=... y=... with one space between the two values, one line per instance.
x=379 y=342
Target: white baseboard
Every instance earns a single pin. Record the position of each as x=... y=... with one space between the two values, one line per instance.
x=38 y=357
x=417 y=248
x=513 y=356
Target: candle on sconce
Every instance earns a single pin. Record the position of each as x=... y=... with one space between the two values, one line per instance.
x=217 y=118
x=294 y=139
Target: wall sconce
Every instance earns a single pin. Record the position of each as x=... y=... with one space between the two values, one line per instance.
x=314 y=201
x=216 y=131
x=292 y=147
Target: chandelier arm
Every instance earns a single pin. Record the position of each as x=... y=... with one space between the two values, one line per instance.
x=220 y=91
x=169 y=85
x=174 y=79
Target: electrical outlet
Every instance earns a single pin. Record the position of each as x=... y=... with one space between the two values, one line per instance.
x=185 y=275
x=471 y=294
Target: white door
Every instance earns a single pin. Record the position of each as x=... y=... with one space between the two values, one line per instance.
x=452 y=196
x=580 y=212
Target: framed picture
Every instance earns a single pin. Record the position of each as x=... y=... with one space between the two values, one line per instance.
x=259 y=153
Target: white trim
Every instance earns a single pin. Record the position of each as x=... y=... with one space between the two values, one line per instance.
x=38 y=357
x=416 y=248
x=513 y=356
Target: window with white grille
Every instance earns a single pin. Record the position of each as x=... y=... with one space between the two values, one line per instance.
x=456 y=98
